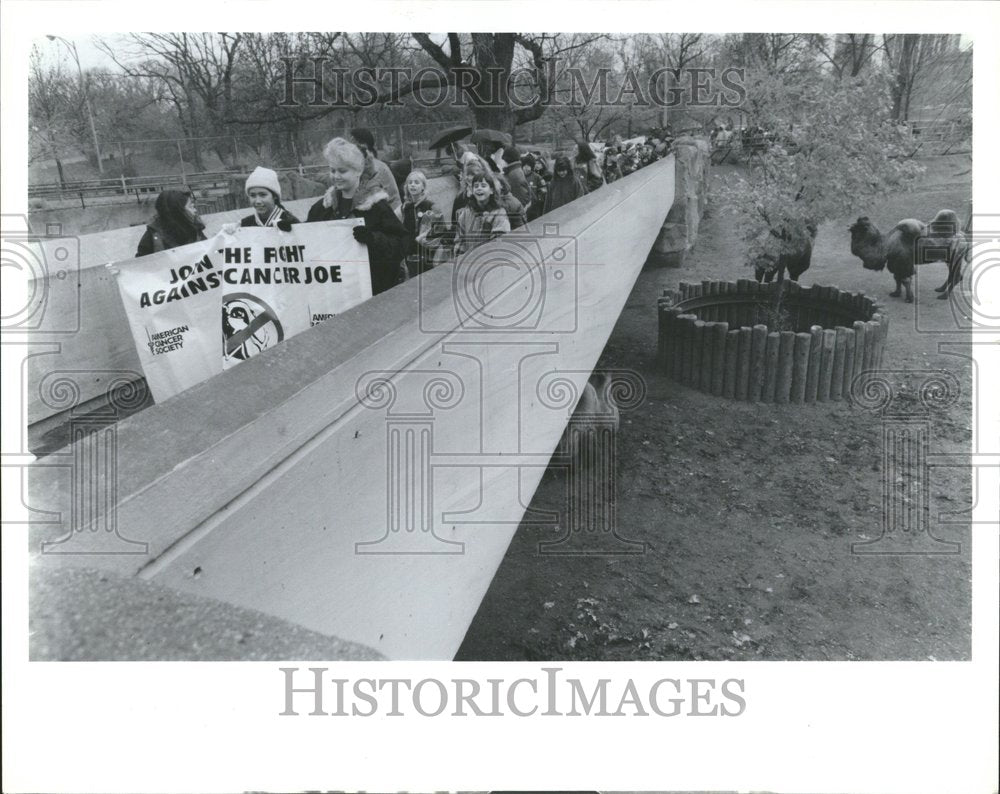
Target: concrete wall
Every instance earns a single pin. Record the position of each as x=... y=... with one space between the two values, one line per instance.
x=680 y=229
x=83 y=335
x=364 y=479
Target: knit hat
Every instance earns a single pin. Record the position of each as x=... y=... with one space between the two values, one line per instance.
x=264 y=177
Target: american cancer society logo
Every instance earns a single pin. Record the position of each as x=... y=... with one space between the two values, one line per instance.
x=166 y=341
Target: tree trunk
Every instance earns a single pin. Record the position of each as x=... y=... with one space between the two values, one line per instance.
x=495 y=118
x=905 y=72
x=62 y=175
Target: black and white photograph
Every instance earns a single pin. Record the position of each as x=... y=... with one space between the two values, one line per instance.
x=537 y=349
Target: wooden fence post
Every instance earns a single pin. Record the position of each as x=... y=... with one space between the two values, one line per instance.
x=758 y=350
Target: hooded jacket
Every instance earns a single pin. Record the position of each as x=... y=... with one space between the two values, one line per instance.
x=563 y=190
x=519 y=184
x=170 y=227
x=389 y=237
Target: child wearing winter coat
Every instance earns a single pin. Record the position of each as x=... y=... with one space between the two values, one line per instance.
x=483 y=218
x=538 y=180
x=565 y=186
x=419 y=217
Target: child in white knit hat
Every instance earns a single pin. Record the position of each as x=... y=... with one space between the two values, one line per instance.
x=264 y=192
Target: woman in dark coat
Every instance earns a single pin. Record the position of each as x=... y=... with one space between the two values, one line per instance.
x=538 y=181
x=175 y=223
x=588 y=167
x=565 y=186
x=383 y=233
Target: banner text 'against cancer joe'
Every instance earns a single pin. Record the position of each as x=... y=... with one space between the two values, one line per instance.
x=265 y=285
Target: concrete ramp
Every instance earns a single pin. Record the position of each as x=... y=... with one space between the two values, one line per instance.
x=364 y=479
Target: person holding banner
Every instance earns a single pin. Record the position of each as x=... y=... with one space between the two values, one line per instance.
x=382 y=233
x=175 y=223
x=264 y=191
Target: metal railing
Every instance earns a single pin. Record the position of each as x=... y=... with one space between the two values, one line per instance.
x=144 y=185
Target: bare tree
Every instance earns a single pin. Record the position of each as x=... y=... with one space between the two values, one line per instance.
x=593 y=71
x=910 y=56
x=49 y=111
x=481 y=72
x=847 y=53
x=196 y=71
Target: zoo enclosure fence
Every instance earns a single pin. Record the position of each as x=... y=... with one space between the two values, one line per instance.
x=303 y=156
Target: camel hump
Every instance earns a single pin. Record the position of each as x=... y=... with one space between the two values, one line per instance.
x=863 y=225
x=911 y=227
x=945 y=224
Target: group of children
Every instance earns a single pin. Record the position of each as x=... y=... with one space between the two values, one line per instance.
x=497 y=193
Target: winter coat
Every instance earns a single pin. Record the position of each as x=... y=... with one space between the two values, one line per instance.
x=612 y=172
x=423 y=225
x=539 y=189
x=156 y=239
x=376 y=175
x=563 y=191
x=590 y=174
x=171 y=226
x=514 y=209
x=476 y=226
x=389 y=243
x=519 y=186
x=283 y=216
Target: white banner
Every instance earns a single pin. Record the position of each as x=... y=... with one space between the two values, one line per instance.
x=266 y=285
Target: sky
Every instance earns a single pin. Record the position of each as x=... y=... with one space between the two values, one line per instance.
x=92 y=58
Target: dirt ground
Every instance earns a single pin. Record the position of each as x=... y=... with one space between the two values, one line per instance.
x=748 y=512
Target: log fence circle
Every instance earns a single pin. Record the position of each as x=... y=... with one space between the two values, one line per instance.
x=747 y=341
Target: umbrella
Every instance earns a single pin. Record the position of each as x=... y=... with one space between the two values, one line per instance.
x=484 y=135
x=450 y=135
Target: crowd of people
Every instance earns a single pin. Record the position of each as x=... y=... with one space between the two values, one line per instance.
x=404 y=232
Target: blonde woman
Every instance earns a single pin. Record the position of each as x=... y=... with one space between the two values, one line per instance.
x=383 y=233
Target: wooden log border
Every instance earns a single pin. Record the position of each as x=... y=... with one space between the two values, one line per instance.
x=707 y=341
